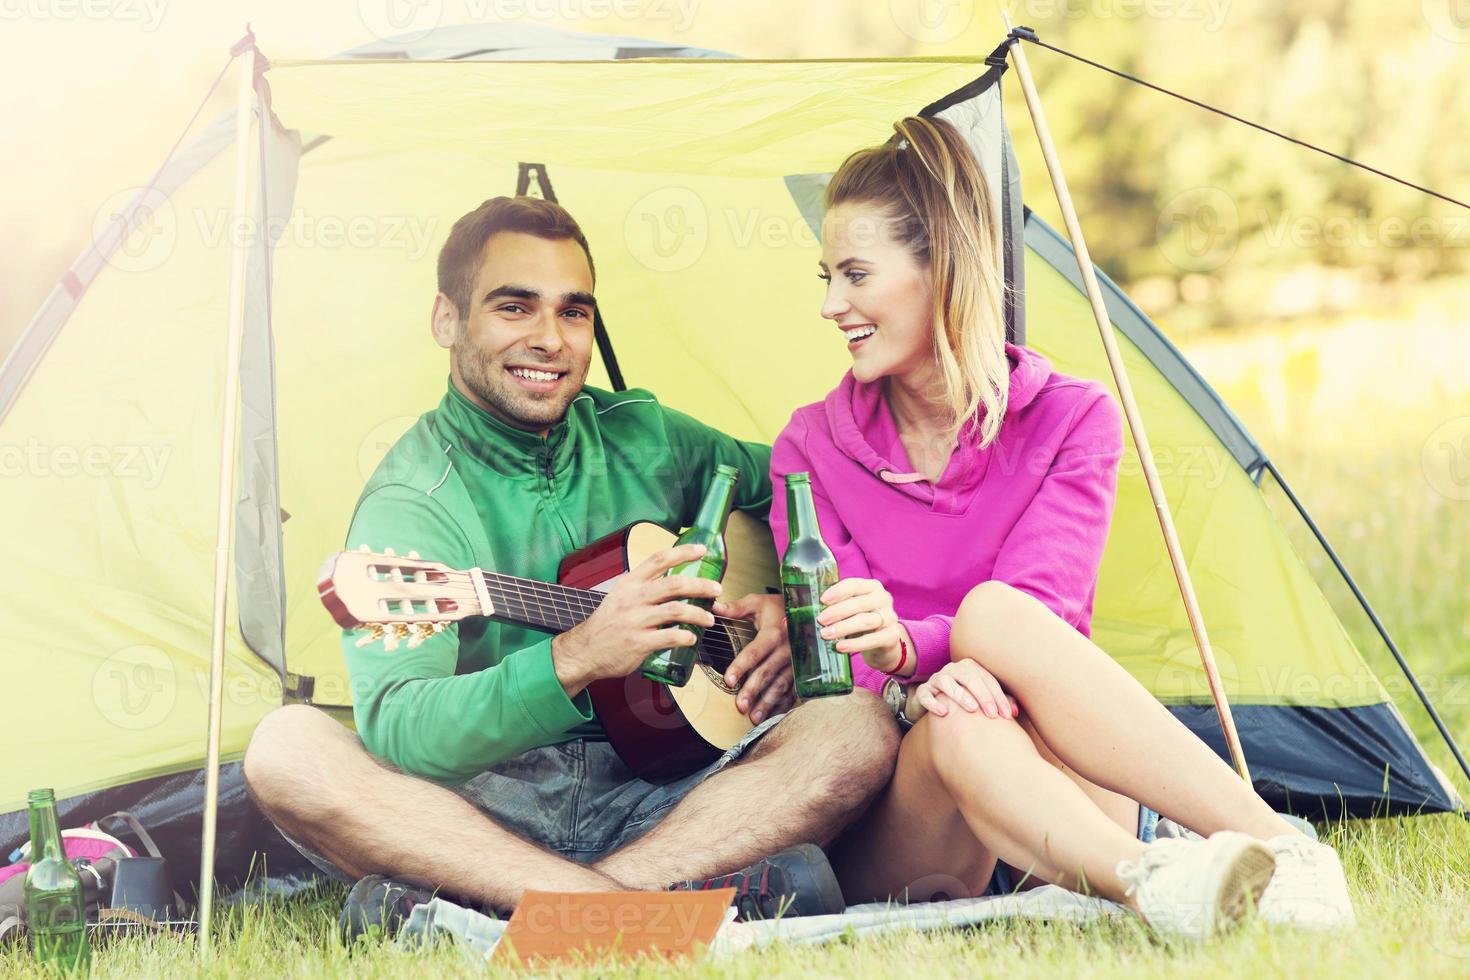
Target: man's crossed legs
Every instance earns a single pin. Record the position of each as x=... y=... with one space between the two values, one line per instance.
x=805 y=780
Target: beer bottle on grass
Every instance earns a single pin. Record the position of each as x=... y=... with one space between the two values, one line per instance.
x=809 y=569
x=55 y=915
x=673 y=666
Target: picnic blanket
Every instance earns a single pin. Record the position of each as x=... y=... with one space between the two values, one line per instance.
x=478 y=934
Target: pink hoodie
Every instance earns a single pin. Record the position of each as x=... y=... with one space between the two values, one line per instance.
x=1032 y=510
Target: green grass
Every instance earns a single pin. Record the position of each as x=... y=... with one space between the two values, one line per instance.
x=1359 y=470
x=1409 y=881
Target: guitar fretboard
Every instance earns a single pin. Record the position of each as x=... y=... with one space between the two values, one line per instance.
x=557 y=608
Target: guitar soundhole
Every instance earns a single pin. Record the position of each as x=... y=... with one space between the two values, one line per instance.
x=716 y=678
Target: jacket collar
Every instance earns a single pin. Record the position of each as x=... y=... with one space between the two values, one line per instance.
x=479 y=438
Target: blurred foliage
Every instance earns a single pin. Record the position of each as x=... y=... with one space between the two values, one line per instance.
x=1206 y=222
x=1211 y=223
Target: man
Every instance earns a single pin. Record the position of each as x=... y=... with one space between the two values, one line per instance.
x=478 y=767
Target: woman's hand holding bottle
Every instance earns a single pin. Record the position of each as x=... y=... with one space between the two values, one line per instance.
x=859 y=615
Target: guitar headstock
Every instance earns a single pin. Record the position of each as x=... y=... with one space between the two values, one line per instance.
x=397 y=598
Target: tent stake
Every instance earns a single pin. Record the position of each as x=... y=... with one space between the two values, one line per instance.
x=1130 y=406
x=225 y=510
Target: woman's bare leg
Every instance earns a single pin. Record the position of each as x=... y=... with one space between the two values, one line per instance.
x=1119 y=808
x=913 y=842
x=1099 y=720
x=969 y=789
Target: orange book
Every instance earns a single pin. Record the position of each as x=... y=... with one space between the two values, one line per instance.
x=562 y=925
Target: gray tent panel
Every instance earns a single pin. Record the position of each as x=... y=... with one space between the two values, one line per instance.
x=978 y=116
x=521 y=42
x=260 y=569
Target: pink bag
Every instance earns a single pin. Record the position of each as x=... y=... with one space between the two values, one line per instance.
x=84 y=842
x=84 y=846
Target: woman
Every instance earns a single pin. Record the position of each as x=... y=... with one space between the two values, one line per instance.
x=966 y=490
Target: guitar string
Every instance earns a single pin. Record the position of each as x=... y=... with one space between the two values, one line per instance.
x=720 y=649
x=567 y=595
x=576 y=605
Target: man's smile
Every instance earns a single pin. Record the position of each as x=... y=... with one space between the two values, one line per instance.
x=537 y=379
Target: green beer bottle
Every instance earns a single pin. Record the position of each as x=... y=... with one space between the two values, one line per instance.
x=673 y=666
x=55 y=915
x=809 y=569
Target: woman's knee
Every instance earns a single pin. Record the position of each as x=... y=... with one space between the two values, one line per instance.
x=980 y=623
x=964 y=748
x=987 y=603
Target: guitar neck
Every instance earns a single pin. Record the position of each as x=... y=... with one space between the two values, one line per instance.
x=553 y=608
x=544 y=606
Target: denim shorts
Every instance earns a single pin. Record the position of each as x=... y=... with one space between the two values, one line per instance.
x=576 y=798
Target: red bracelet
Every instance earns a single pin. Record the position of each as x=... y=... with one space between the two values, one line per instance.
x=903 y=658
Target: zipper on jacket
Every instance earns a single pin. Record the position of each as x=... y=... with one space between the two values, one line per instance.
x=548 y=469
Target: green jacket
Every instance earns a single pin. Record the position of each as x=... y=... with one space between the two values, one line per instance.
x=463 y=488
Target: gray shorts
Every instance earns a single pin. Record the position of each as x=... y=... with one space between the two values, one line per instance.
x=577 y=798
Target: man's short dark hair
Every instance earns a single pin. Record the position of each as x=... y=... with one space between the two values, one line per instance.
x=459 y=259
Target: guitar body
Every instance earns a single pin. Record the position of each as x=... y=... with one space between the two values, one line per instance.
x=663 y=733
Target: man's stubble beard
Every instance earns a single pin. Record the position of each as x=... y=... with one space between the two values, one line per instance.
x=485 y=376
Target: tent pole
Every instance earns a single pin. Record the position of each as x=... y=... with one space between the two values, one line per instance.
x=1130 y=407
x=225 y=510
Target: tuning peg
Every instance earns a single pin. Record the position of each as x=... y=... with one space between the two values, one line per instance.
x=364 y=548
x=390 y=552
x=413 y=554
x=372 y=632
x=400 y=630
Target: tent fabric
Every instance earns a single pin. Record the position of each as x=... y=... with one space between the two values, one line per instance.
x=109 y=528
x=1322 y=763
x=680 y=173
x=114 y=236
x=687 y=116
x=1134 y=324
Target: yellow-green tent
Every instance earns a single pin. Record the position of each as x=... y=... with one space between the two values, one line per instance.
x=697 y=179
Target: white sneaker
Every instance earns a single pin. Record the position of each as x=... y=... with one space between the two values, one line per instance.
x=1193 y=889
x=1309 y=888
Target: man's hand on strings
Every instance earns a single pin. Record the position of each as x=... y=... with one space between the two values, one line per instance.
x=638 y=616
x=762 y=669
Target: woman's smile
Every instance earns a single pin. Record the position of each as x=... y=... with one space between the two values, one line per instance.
x=857 y=334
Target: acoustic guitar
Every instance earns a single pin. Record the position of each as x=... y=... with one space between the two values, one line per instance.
x=661 y=732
